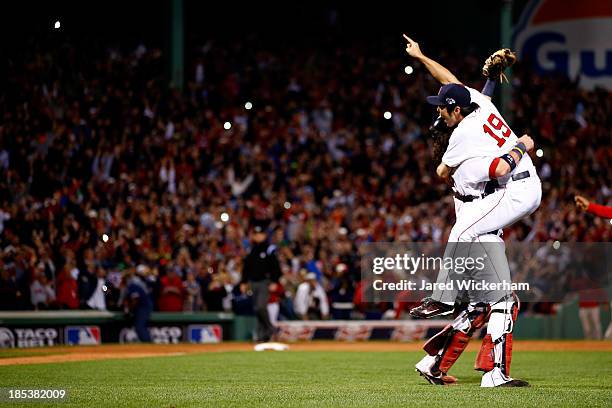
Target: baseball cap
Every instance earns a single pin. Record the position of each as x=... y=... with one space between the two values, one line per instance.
x=260 y=225
x=142 y=269
x=451 y=94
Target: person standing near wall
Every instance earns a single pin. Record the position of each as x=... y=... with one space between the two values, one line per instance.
x=260 y=270
x=138 y=303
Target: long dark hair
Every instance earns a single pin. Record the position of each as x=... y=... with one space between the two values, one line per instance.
x=469 y=109
x=465 y=110
x=440 y=133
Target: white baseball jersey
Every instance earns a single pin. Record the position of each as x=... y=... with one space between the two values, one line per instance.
x=472 y=176
x=474 y=144
x=479 y=138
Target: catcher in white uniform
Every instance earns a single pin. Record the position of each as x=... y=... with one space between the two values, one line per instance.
x=482 y=149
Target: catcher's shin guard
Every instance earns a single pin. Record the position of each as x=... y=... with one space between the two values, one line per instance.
x=457 y=344
x=451 y=341
x=484 y=359
x=496 y=348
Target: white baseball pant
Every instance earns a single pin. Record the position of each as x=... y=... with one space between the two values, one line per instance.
x=507 y=205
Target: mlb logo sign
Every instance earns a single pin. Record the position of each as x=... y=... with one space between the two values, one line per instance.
x=205 y=333
x=82 y=335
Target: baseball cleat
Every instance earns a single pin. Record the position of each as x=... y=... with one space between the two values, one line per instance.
x=430 y=378
x=430 y=308
x=515 y=383
x=496 y=378
x=424 y=366
x=439 y=380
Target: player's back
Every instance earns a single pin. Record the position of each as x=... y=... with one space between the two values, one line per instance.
x=483 y=134
x=489 y=133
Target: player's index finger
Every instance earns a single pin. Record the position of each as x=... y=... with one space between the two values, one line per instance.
x=407 y=38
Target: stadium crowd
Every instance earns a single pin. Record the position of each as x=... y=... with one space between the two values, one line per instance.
x=108 y=173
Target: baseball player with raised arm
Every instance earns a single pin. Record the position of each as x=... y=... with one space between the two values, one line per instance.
x=482 y=148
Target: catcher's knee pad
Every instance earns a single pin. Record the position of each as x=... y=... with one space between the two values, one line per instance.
x=466 y=322
x=451 y=341
x=496 y=348
x=438 y=341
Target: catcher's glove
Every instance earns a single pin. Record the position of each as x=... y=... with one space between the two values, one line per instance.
x=495 y=65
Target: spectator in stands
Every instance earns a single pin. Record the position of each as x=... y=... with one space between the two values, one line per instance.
x=9 y=293
x=66 y=285
x=215 y=293
x=193 y=294
x=242 y=303
x=115 y=290
x=370 y=310
x=49 y=265
x=310 y=263
x=277 y=292
x=42 y=292
x=171 y=292
x=310 y=301
x=97 y=300
x=404 y=302
x=86 y=287
x=342 y=293
x=87 y=279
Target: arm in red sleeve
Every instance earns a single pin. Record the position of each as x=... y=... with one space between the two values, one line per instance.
x=600 y=210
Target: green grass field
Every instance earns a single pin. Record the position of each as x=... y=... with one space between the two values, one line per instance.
x=313 y=379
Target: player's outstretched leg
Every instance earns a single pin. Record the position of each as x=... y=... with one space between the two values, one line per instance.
x=444 y=348
x=496 y=351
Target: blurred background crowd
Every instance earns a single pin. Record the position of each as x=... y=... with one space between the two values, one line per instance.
x=107 y=173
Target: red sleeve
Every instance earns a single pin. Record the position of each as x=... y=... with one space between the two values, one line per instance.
x=600 y=210
x=357 y=297
x=493 y=168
